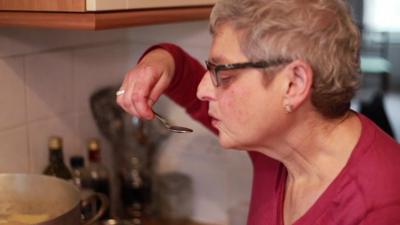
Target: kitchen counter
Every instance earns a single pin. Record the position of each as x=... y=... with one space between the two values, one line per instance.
x=155 y=222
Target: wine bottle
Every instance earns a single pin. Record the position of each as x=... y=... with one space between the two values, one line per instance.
x=135 y=189
x=79 y=173
x=98 y=172
x=56 y=166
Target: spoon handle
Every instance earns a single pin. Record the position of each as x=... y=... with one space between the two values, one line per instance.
x=162 y=119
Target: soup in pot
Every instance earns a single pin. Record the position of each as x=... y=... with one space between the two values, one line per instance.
x=23 y=219
x=8 y=216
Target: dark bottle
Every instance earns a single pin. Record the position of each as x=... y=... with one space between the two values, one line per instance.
x=135 y=189
x=98 y=173
x=81 y=179
x=56 y=166
x=80 y=176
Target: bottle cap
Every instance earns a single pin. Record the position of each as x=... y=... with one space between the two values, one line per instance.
x=55 y=143
x=93 y=144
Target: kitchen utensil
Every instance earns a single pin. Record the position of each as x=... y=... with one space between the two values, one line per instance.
x=173 y=128
x=128 y=135
x=42 y=200
x=119 y=127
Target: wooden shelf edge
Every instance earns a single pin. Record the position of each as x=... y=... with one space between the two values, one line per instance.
x=102 y=20
x=152 y=16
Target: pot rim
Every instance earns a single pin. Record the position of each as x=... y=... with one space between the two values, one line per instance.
x=68 y=211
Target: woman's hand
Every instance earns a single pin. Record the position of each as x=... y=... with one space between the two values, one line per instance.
x=144 y=83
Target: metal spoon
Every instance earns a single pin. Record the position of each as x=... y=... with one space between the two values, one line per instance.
x=176 y=129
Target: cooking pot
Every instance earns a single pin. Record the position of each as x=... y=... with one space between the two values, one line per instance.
x=43 y=200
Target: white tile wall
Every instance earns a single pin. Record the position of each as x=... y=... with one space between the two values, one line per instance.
x=12 y=93
x=209 y=188
x=47 y=77
x=49 y=84
x=25 y=41
x=101 y=66
x=14 y=155
x=222 y=178
x=39 y=131
x=188 y=35
x=239 y=177
x=86 y=128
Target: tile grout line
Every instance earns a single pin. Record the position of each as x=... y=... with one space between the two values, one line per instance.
x=30 y=160
x=74 y=97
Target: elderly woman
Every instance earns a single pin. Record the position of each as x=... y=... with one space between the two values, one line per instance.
x=279 y=80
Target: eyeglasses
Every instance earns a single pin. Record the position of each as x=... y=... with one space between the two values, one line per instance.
x=216 y=68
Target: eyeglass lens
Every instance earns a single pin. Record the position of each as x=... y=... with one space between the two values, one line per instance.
x=214 y=76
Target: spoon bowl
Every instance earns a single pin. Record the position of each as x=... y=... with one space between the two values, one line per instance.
x=173 y=128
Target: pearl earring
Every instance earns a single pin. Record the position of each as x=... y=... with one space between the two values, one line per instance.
x=288 y=108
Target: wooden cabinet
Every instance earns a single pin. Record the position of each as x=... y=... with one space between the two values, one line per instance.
x=44 y=5
x=96 y=5
x=100 y=14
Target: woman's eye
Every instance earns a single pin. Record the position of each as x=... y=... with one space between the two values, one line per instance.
x=226 y=78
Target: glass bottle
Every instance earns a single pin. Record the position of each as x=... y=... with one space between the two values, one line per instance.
x=56 y=166
x=135 y=190
x=81 y=179
x=79 y=175
x=98 y=172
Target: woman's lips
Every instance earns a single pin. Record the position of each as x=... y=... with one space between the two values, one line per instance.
x=214 y=122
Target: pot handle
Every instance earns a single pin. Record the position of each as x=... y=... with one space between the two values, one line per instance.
x=104 y=204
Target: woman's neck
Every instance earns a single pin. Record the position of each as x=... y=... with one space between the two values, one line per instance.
x=315 y=154
x=321 y=148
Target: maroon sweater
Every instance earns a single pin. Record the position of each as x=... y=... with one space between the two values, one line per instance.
x=366 y=192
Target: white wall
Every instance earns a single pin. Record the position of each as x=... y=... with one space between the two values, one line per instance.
x=47 y=76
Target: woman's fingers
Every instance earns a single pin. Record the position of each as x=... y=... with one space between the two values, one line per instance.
x=137 y=87
x=141 y=93
x=145 y=83
x=120 y=94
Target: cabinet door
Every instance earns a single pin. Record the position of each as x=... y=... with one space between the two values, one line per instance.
x=94 y=5
x=44 y=5
x=99 y=5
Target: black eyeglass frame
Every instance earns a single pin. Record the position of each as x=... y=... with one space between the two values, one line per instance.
x=215 y=68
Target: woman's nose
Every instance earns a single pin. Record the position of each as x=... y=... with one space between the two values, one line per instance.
x=206 y=90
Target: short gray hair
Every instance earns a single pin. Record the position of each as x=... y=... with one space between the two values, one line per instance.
x=320 y=32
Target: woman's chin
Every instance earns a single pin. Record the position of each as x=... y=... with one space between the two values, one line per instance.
x=227 y=143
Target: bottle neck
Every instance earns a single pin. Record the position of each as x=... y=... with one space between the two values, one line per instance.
x=94 y=156
x=56 y=156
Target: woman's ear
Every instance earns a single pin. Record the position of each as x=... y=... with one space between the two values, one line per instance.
x=300 y=79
